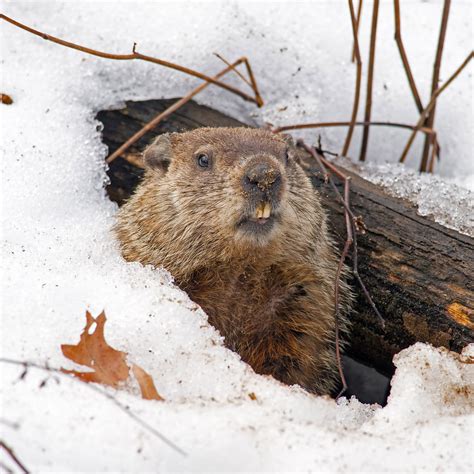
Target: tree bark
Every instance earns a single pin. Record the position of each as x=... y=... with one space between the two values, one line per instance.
x=419 y=273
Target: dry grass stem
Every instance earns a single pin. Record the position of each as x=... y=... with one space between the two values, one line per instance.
x=134 y=55
x=429 y=122
x=403 y=55
x=14 y=457
x=166 y=113
x=358 y=18
x=355 y=105
x=370 y=78
x=431 y=104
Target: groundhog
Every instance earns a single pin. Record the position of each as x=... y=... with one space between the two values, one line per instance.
x=231 y=214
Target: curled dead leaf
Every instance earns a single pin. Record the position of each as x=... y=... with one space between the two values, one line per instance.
x=147 y=386
x=109 y=366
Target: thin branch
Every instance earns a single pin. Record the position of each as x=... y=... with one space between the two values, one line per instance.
x=14 y=457
x=227 y=63
x=352 y=223
x=403 y=55
x=258 y=97
x=125 y=409
x=345 y=124
x=355 y=105
x=351 y=219
x=355 y=271
x=347 y=244
x=370 y=79
x=435 y=82
x=250 y=82
x=434 y=152
x=166 y=113
x=132 y=56
x=358 y=18
x=431 y=104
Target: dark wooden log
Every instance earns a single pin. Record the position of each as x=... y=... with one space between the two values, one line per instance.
x=420 y=274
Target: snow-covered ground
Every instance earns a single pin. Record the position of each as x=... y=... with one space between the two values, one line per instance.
x=59 y=257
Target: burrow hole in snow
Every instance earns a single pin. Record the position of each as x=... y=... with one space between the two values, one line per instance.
x=364 y=382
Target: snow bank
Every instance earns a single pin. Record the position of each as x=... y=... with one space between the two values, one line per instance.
x=61 y=259
x=442 y=200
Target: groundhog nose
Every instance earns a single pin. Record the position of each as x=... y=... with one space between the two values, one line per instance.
x=262 y=176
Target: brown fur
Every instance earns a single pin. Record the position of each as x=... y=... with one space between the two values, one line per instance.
x=272 y=296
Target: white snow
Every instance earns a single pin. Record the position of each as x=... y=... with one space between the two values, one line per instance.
x=442 y=200
x=59 y=257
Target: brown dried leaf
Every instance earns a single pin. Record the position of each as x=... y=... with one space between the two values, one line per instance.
x=109 y=366
x=6 y=99
x=147 y=386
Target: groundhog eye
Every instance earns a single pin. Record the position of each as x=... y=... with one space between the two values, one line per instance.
x=287 y=156
x=203 y=160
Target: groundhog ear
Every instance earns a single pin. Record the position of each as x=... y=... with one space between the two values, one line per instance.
x=158 y=155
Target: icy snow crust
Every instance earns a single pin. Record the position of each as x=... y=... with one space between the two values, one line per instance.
x=59 y=257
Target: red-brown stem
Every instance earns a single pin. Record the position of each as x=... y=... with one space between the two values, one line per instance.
x=355 y=271
x=351 y=237
x=347 y=244
x=250 y=82
x=403 y=55
x=434 y=152
x=301 y=126
x=431 y=103
x=435 y=82
x=14 y=457
x=327 y=164
x=166 y=113
x=370 y=79
x=258 y=98
x=359 y=13
x=355 y=105
x=132 y=56
x=227 y=63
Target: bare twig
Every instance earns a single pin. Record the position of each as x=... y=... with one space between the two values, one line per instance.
x=125 y=409
x=247 y=81
x=435 y=82
x=355 y=105
x=353 y=219
x=250 y=82
x=355 y=271
x=358 y=18
x=403 y=55
x=301 y=126
x=347 y=244
x=370 y=79
x=166 y=113
x=434 y=152
x=431 y=103
x=351 y=239
x=14 y=457
x=132 y=56
x=258 y=98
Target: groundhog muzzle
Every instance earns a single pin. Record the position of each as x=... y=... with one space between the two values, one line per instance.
x=230 y=213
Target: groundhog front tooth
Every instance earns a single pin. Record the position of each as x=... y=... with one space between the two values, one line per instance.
x=259 y=210
x=267 y=210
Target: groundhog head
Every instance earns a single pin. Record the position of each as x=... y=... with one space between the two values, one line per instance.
x=220 y=195
x=234 y=181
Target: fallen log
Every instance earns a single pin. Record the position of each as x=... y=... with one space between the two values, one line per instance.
x=419 y=273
